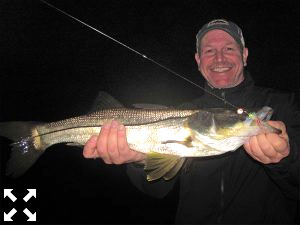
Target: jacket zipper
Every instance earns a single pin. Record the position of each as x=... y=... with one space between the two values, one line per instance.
x=223 y=96
x=220 y=218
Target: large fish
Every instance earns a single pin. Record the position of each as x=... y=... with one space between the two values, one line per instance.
x=167 y=136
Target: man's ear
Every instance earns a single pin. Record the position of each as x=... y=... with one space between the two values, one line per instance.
x=245 y=56
x=197 y=58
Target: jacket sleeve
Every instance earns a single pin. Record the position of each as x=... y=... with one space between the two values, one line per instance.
x=286 y=173
x=158 y=189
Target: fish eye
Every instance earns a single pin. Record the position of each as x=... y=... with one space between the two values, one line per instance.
x=240 y=111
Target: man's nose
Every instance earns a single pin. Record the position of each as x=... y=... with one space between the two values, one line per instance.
x=219 y=56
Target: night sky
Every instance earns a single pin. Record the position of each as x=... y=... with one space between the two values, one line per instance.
x=52 y=67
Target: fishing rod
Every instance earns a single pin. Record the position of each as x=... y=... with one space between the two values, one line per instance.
x=239 y=110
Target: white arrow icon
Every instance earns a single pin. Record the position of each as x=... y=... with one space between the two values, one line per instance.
x=8 y=216
x=7 y=192
x=31 y=217
x=31 y=192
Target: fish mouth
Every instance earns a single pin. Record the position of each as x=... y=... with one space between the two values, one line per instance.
x=265 y=113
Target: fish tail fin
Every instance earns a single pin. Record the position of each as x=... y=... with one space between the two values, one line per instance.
x=162 y=165
x=26 y=148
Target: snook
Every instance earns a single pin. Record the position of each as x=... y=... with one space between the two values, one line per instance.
x=167 y=136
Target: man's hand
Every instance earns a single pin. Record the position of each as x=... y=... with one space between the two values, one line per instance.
x=269 y=148
x=111 y=145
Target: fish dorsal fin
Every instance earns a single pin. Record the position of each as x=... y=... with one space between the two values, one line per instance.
x=162 y=165
x=105 y=101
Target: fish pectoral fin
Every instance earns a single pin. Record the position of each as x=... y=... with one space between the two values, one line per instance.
x=187 y=142
x=162 y=165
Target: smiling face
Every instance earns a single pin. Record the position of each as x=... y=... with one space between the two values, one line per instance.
x=220 y=59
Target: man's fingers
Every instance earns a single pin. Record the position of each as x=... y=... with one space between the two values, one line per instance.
x=122 y=141
x=111 y=145
x=256 y=151
x=89 y=150
x=265 y=147
x=278 y=124
x=112 y=142
x=102 y=142
x=280 y=144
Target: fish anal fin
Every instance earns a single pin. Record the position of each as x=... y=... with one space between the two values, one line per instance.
x=162 y=165
x=172 y=173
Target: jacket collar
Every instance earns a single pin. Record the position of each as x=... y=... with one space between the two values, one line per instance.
x=247 y=82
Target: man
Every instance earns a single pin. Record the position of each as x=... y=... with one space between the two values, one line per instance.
x=258 y=183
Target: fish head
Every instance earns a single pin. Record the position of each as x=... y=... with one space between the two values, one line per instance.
x=226 y=130
x=215 y=122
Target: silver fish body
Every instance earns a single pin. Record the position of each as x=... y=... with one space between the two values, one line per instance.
x=143 y=126
x=167 y=136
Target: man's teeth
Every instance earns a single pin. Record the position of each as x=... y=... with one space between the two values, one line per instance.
x=220 y=69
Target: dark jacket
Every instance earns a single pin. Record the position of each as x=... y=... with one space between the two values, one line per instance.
x=234 y=188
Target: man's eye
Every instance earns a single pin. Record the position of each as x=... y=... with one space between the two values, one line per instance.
x=208 y=51
x=229 y=49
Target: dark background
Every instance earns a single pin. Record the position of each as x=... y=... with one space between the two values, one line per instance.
x=53 y=67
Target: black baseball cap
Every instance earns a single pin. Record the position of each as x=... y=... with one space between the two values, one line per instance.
x=222 y=24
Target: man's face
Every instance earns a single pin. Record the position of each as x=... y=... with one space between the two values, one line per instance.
x=220 y=59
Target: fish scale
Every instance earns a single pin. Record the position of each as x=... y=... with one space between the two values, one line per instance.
x=123 y=115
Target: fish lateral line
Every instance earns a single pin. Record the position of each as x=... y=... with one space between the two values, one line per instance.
x=27 y=138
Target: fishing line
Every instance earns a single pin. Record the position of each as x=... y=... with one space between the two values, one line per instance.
x=239 y=110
